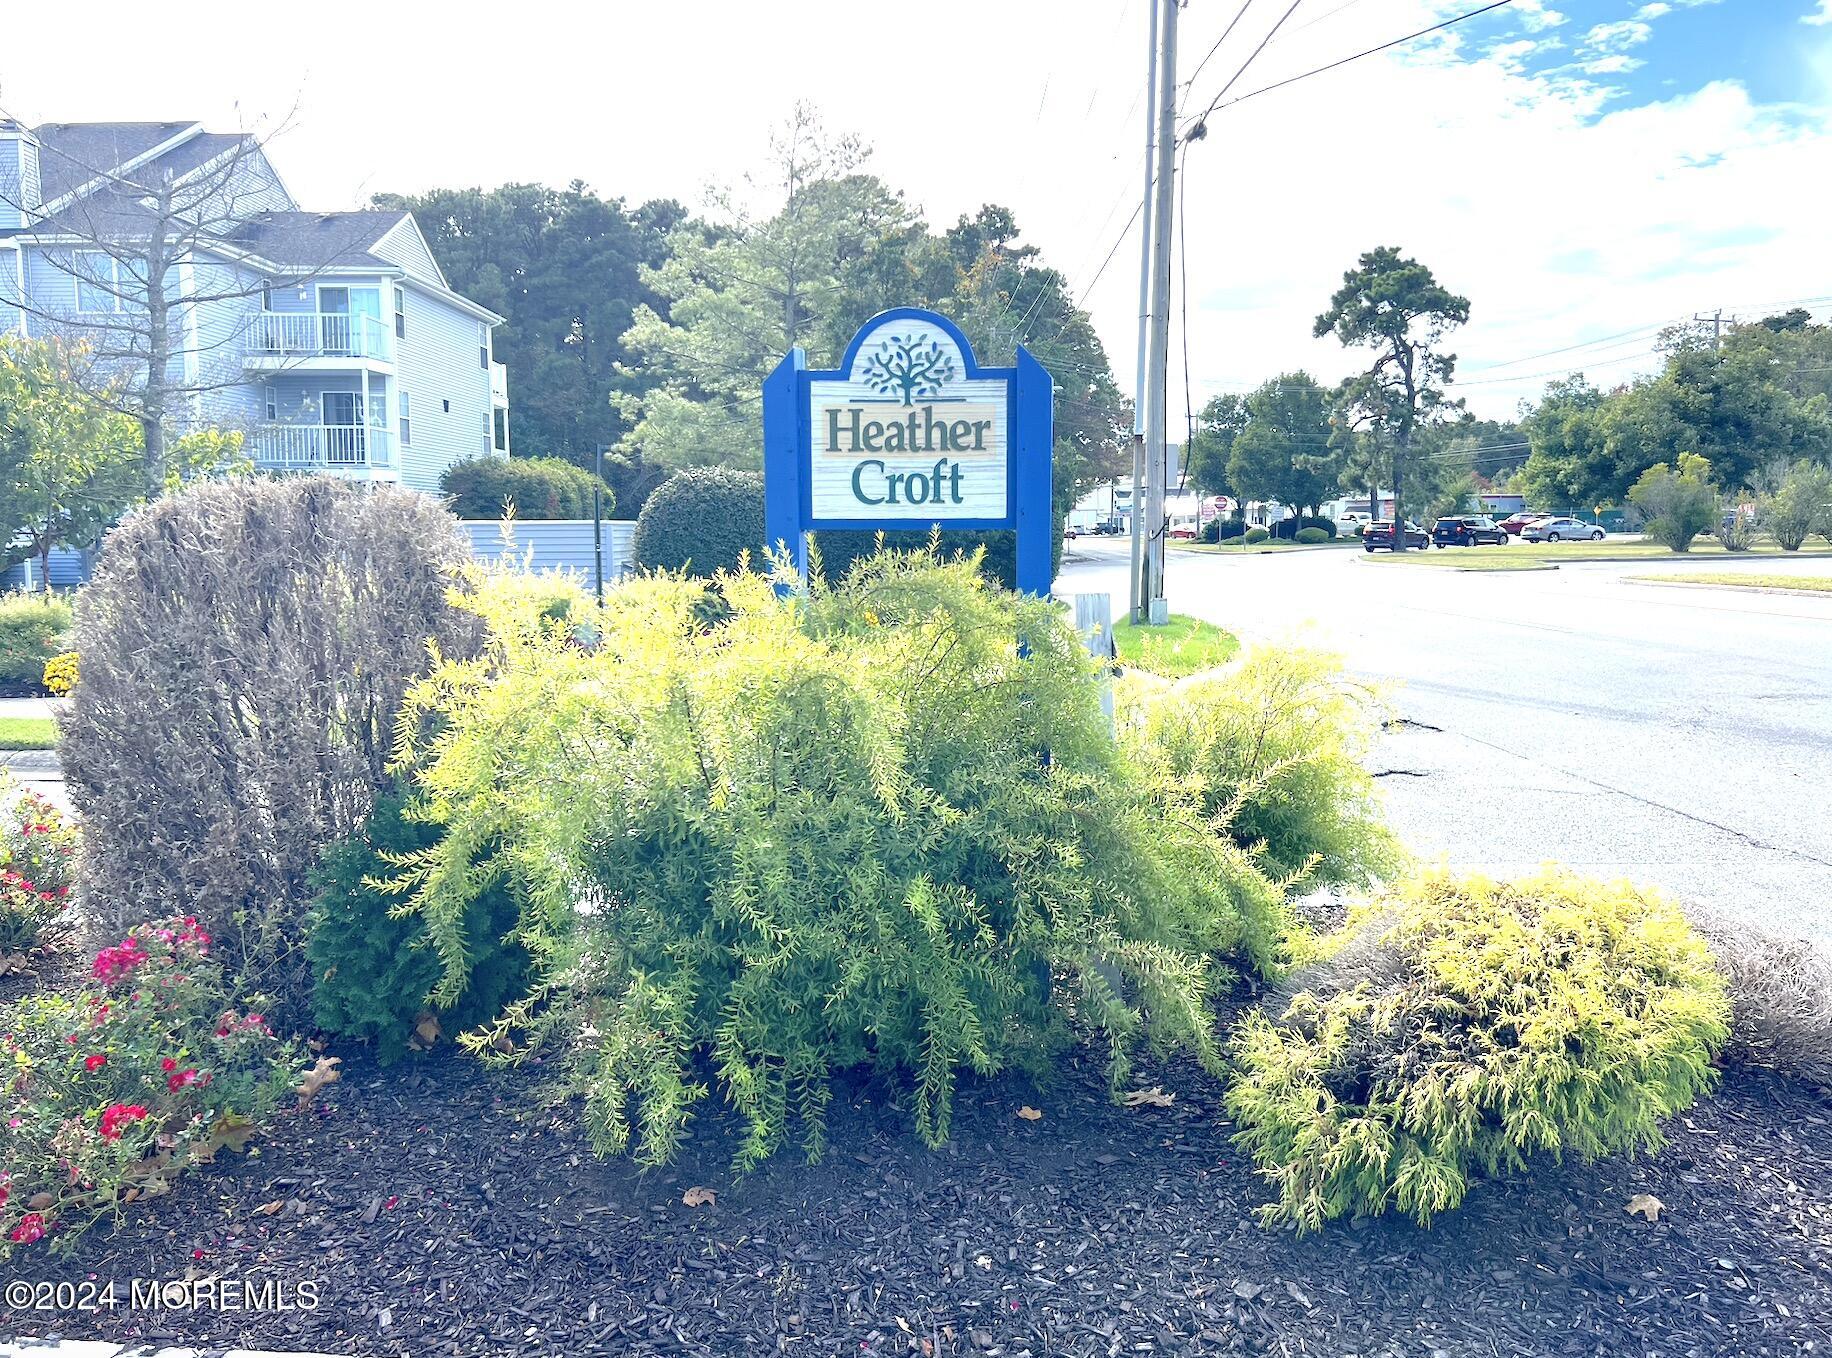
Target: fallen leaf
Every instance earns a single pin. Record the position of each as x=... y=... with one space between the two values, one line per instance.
x=268 y=1209
x=323 y=1073
x=229 y=1130
x=370 y=1212
x=1296 y=1293
x=38 y=1202
x=1248 y=1291
x=1646 y=1205
x=1154 y=1096
x=427 y=1030
x=699 y=1197
x=1030 y=1114
x=502 y=1044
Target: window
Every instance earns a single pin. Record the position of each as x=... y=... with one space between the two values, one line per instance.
x=483 y=346
x=400 y=315
x=267 y=295
x=502 y=430
x=486 y=432
x=447 y=403
x=271 y=403
x=98 y=281
x=406 y=420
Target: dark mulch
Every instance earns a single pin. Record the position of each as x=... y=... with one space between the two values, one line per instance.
x=440 y=1215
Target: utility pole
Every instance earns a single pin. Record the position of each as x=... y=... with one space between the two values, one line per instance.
x=1157 y=411
x=1135 y=517
x=1717 y=325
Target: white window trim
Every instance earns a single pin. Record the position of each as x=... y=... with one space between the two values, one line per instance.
x=78 y=278
x=400 y=312
x=406 y=415
x=270 y=403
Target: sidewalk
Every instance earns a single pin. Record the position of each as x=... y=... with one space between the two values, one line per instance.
x=30 y=707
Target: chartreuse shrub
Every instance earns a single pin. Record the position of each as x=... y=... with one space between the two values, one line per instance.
x=881 y=824
x=155 y=1066
x=37 y=869
x=1275 y=745
x=373 y=970
x=1553 y=1015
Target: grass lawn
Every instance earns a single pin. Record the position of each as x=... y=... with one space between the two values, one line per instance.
x=1519 y=555
x=1182 y=646
x=27 y=733
x=1816 y=584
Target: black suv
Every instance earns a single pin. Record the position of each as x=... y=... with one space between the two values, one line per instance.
x=1468 y=530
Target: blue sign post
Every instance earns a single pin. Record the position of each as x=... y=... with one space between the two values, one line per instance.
x=906 y=434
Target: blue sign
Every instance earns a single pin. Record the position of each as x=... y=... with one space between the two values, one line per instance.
x=906 y=434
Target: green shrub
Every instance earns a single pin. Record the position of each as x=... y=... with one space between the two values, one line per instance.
x=1276 y=744
x=539 y=488
x=33 y=628
x=37 y=869
x=1801 y=503
x=702 y=520
x=156 y=1066
x=1256 y=534
x=1679 y=505
x=1310 y=537
x=1551 y=1015
x=1210 y=531
x=1231 y=528
x=375 y=972
x=862 y=827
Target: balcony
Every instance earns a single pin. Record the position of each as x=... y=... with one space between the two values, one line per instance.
x=287 y=339
x=322 y=447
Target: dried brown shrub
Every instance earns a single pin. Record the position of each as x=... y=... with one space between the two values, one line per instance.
x=1780 y=999
x=245 y=646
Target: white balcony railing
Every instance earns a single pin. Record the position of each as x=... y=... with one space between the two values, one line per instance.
x=318 y=334
x=306 y=447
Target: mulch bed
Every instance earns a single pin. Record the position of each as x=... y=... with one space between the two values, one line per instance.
x=441 y=1213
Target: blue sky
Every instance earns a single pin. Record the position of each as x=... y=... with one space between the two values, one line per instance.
x=1645 y=50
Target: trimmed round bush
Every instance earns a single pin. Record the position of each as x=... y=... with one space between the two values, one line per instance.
x=701 y=521
x=1256 y=534
x=1484 y=1023
x=1310 y=537
x=538 y=487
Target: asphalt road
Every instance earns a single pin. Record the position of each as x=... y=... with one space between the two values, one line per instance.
x=1677 y=736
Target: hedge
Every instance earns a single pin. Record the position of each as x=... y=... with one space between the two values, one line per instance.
x=33 y=628
x=539 y=487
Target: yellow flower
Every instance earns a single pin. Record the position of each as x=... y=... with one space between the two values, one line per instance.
x=871 y=616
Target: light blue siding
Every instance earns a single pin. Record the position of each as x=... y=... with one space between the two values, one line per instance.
x=556 y=544
x=403 y=245
x=436 y=365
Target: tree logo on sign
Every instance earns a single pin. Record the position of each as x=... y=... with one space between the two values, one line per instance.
x=909 y=367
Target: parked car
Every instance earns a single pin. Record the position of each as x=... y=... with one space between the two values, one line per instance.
x=1561 y=529
x=1517 y=523
x=1468 y=530
x=1380 y=535
x=1183 y=533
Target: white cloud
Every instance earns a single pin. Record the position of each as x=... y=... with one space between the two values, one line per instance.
x=1617 y=36
x=1616 y=65
x=1535 y=17
x=1824 y=16
x=1656 y=10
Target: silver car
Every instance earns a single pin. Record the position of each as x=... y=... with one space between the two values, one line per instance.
x=1560 y=529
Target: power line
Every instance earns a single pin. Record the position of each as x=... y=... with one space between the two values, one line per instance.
x=1189 y=131
x=1239 y=15
x=1368 y=52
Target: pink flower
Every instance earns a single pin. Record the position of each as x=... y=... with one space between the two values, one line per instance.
x=180 y=1079
x=167 y=1063
x=31 y=1228
x=94 y=1063
x=116 y=1115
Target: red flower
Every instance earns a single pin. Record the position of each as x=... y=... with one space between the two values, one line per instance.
x=94 y=1063
x=180 y=1079
x=167 y=1063
x=31 y=1228
x=117 y=1114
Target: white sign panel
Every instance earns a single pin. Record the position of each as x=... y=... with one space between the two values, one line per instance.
x=906 y=434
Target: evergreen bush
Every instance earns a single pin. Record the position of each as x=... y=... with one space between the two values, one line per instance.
x=33 y=629
x=538 y=487
x=1210 y=531
x=374 y=972
x=885 y=823
x=702 y=520
x=1276 y=746
x=1256 y=535
x=1551 y=1015
x=1231 y=528
x=1310 y=537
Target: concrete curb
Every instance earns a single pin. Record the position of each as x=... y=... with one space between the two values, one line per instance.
x=1734 y=589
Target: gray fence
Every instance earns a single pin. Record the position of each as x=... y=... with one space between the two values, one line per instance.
x=555 y=544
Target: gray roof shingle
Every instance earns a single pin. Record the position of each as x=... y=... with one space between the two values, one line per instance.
x=316 y=239
x=71 y=154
